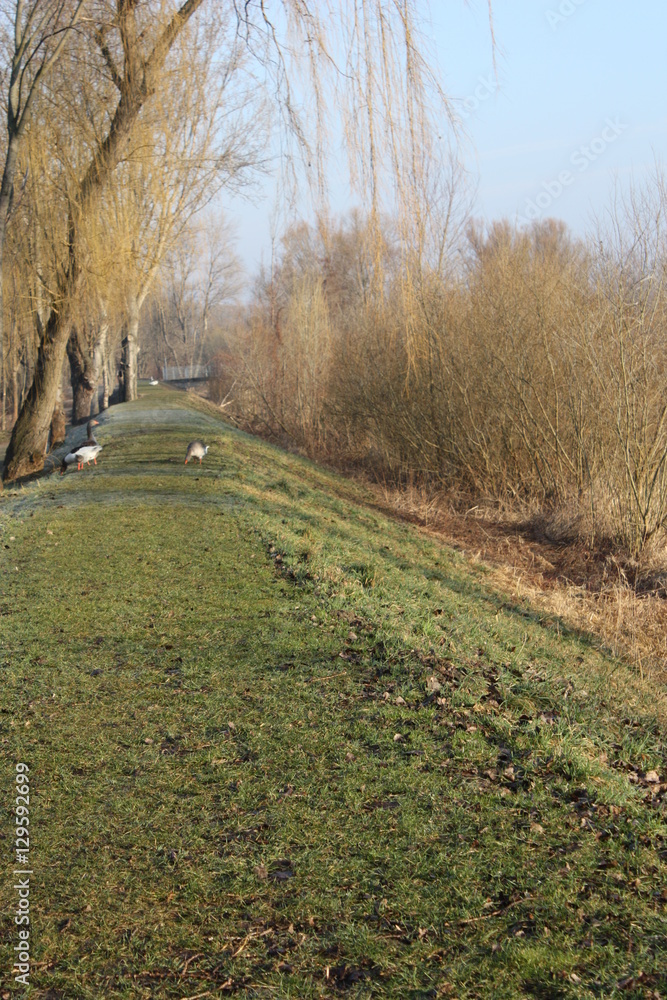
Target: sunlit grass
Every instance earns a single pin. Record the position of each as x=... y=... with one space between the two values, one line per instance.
x=283 y=746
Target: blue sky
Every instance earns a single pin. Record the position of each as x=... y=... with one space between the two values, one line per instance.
x=579 y=103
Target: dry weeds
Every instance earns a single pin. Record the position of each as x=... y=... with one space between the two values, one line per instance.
x=623 y=604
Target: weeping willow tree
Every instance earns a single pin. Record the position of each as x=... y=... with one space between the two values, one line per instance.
x=180 y=155
x=34 y=34
x=358 y=65
x=134 y=41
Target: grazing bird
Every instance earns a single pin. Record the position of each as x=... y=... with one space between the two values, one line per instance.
x=87 y=450
x=195 y=450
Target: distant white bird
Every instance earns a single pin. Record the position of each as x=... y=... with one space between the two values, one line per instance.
x=196 y=449
x=153 y=381
x=87 y=450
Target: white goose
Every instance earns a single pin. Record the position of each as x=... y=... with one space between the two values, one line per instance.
x=87 y=450
x=196 y=449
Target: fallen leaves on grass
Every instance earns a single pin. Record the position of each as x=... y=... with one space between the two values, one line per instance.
x=345 y=976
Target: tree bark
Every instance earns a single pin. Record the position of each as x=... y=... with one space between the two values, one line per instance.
x=6 y=189
x=95 y=401
x=85 y=369
x=130 y=351
x=82 y=379
x=3 y=416
x=15 y=393
x=107 y=381
x=28 y=444
x=58 y=423
x=99 y=363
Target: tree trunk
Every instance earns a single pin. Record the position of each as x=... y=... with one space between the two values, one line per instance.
x=85 y=374
x=25 y=453
x=95 y=402
x=130 y=351
x=6 y=189
x=58 y=421
x=3 y=420
x=8 y=370
x=99 y=363
x=27 y=446
x=3 y=370
x=15 y=394
x=82 y=379
x=107 y=381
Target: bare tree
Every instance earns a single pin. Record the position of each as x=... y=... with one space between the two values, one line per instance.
x=200 y=277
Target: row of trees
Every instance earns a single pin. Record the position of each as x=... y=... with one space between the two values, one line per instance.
x=114 y=152
x=181 y=319
x=124 y=119
x=518 y=365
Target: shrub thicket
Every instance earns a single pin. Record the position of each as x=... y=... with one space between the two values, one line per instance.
x=531 y=369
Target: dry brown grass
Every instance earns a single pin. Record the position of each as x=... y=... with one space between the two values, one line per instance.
x=623 y=605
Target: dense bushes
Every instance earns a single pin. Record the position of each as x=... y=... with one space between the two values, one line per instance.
x=531 y=370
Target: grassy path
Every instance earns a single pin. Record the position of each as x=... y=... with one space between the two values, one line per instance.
x=281 y=746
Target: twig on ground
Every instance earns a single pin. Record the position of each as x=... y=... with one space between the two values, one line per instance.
x=191 y=959
x=496 y=913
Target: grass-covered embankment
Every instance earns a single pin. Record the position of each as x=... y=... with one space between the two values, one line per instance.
x=280 y=745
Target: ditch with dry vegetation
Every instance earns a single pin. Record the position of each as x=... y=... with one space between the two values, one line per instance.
x=284 y=745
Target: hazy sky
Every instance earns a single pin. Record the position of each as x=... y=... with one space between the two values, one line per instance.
x=580 y=101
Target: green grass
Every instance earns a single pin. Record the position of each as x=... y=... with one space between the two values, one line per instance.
x=243 y=780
